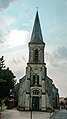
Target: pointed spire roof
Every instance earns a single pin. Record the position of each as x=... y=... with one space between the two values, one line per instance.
x=36 y=33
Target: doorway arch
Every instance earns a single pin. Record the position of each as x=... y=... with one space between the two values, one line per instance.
x=35 y=103
x=36 y=93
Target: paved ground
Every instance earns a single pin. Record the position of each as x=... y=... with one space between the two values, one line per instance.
x=60 y=114
x=15 y=114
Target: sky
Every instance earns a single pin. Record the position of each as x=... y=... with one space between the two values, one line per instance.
x=16 y=24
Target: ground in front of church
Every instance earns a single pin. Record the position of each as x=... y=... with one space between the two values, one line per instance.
x=15 y=114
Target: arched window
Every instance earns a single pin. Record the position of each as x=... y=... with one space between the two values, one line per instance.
x=35 y=92
x=33 y=79
x=36 y=55
x=37 y=79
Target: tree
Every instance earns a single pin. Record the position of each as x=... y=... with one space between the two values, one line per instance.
x=7 y=79
x=2 y=65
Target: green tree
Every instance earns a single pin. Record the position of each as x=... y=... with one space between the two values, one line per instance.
x=7 y=79
x=2 y=66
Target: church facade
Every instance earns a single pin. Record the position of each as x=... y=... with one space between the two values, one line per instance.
x=36 y=89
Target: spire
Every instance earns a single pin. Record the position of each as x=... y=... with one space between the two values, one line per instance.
x=36 y=33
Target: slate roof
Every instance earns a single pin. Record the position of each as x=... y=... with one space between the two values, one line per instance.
x=36 y=36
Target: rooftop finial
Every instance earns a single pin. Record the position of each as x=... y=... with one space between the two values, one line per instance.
x=37 y=8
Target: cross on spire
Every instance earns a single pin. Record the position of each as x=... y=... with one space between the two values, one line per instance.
x=37 y=8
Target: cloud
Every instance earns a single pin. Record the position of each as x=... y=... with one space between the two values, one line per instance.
x=5 y=4
x=3 y=38
x=58 y=57
x=17 y=61
x=57 y=68
x=15 y=38
x=61 y=52
x=6 y=21
x=17 y=64
x=24 y=58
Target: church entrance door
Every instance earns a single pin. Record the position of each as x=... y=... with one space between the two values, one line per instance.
x=35 y=103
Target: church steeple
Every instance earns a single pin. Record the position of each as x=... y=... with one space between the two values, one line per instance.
x=36 y=36
x=36 y=45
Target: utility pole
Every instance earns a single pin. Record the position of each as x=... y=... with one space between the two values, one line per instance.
x=30 y=105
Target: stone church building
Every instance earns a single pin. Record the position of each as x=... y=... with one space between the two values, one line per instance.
x=36 y=89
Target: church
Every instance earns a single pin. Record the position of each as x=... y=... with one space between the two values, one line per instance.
x=36 y=89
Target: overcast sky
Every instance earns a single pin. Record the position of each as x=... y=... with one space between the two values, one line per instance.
x=16 y=23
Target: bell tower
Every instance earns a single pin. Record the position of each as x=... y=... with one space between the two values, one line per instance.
x=36 y=45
